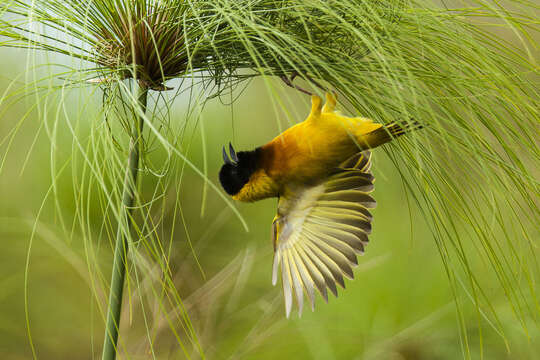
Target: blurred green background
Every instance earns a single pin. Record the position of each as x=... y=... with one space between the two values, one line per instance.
x=400 y=305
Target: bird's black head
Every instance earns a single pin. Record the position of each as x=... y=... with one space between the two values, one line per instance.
x=237 y=170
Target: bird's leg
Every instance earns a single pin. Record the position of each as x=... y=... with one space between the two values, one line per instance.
x=308 y=78
x=316 y=106
x=289 y=82
x=331 y=100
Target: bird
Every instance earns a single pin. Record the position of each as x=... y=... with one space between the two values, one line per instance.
x=320 y=172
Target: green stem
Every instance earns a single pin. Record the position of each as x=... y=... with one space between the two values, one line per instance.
x=122 y=237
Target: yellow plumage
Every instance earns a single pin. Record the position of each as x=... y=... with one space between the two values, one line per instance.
x=319 y=230
x=309 y=150
x=320 y=171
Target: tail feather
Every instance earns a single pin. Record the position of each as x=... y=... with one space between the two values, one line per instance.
x=389 y=132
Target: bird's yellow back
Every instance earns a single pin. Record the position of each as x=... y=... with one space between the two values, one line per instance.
x=316 y=146
x=309 y=151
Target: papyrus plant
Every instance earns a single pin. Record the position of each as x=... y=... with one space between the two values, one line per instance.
x=473 y=170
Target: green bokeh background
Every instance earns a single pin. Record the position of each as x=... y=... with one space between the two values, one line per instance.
x=400 y=305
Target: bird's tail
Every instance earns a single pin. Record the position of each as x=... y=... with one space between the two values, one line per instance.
x=390 y=131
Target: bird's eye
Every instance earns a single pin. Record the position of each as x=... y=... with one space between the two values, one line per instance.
x=232 y=178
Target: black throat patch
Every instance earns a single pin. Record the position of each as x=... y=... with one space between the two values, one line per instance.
x=234 y=176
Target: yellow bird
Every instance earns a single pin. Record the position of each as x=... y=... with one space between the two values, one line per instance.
x=319 y=170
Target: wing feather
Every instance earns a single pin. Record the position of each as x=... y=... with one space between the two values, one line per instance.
x=350 y=182
x=286 y=281
x=333 y=259
x=275 y=268
x=319 y=231
x=321 y=266
x=345 y=205
x=340 y=220
x=314 y=272
x=355 y=238
x=336 y=212
x=350 y=196
x=341 y=246
x=360 y=161
x=297 y=283
x=307 y=280
x=336 y=258
x=350 y=172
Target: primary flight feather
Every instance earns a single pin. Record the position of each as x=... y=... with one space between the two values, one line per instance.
x=319 y=170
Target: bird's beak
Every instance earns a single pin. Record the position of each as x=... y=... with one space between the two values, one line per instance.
x=233 y=159
x=226 y=157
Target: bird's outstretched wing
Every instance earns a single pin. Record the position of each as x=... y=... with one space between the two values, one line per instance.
x=318 y=233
